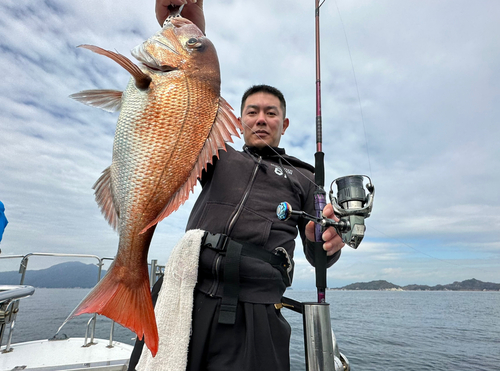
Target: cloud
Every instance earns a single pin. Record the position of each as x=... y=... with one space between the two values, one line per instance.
x=416 y=111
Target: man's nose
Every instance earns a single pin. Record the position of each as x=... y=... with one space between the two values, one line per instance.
x=261 y=118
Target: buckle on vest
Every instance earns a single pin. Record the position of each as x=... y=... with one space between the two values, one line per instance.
x=215 y=241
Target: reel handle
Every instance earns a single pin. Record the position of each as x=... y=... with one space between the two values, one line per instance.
x=284 y=212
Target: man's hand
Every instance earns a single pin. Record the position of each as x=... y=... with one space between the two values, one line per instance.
x=332 y=241
x=193 y=10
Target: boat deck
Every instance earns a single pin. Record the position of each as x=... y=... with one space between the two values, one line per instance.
x=67 y=354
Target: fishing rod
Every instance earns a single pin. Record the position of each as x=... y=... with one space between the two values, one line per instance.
x=319 y=174
x=355 y=205
x=321 y=351
x=351 y=205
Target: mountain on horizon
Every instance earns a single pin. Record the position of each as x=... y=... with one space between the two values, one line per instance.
x=63 y=275
x=467 y=285
x=80 y=275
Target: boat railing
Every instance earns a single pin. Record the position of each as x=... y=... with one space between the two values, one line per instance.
x=90 y=327
x=12 y=307
x=9 y=307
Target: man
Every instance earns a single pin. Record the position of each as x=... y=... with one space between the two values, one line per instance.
x=246 y=255
x=239 y=198
x=240 y=193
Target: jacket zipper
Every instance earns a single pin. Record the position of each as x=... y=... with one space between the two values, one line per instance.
x=244 y=198
x=215 y=284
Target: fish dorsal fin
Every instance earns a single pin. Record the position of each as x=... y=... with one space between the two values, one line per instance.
x=108 y=100
x=226 y=125
x=104 y=198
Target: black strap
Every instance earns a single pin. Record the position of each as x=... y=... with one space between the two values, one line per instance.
x=231 y=292
x=220 y=242
x=233 y=251
x=258 y=252
x=294 y=305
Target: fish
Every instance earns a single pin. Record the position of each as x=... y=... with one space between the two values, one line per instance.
x=172 y=122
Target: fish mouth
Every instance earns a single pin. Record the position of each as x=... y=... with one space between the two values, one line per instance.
x=157 y=68
x=150 y=62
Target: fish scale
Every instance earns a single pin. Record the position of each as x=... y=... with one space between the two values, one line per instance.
x=172 y=122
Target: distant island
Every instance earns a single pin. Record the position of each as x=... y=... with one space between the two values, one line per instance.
x=467 y=285
x=63 y=275
x=77 y=274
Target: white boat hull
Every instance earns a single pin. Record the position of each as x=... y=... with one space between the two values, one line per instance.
x=67 y=354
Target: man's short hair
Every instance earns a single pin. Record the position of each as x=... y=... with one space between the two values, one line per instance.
x=264 y=89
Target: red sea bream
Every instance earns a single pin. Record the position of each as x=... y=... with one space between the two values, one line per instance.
x=172 y=122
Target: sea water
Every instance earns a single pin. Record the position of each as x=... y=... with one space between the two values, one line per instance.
x=375 y=330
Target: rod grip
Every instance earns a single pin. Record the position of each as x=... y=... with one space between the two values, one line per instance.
x=320 y=259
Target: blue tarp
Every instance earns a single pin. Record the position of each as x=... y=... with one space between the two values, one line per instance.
x=3 y=219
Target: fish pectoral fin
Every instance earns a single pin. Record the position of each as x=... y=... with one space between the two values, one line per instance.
x=104 y=197
x=177 y=199
x=225 y=125
x=142 y=80
x=108 y=100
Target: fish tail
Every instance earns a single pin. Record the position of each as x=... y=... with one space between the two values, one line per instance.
x=128 y=304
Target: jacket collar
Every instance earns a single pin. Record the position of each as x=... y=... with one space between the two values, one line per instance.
x=265 y=151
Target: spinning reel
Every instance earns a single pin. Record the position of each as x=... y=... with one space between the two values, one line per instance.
x=351 y=206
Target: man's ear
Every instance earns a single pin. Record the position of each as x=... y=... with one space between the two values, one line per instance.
x=286 y=123
x=241 y=124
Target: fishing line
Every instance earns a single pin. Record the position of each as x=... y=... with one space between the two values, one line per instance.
x=280 y=156
x=357 y=88
x=366 y=138
x=411 y=247
x=421 y=252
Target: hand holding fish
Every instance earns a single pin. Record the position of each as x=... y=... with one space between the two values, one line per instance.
x=332 y=241
x=193 y=10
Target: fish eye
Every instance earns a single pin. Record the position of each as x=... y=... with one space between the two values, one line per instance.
x=193 y=43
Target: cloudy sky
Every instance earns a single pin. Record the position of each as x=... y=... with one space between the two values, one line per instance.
x=410 y=98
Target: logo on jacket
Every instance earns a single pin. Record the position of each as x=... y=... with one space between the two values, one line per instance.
x=278 y=170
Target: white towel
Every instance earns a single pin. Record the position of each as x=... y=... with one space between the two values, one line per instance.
x=174 y=307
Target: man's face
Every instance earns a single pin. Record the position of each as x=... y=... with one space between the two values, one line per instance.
x=262 y=120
